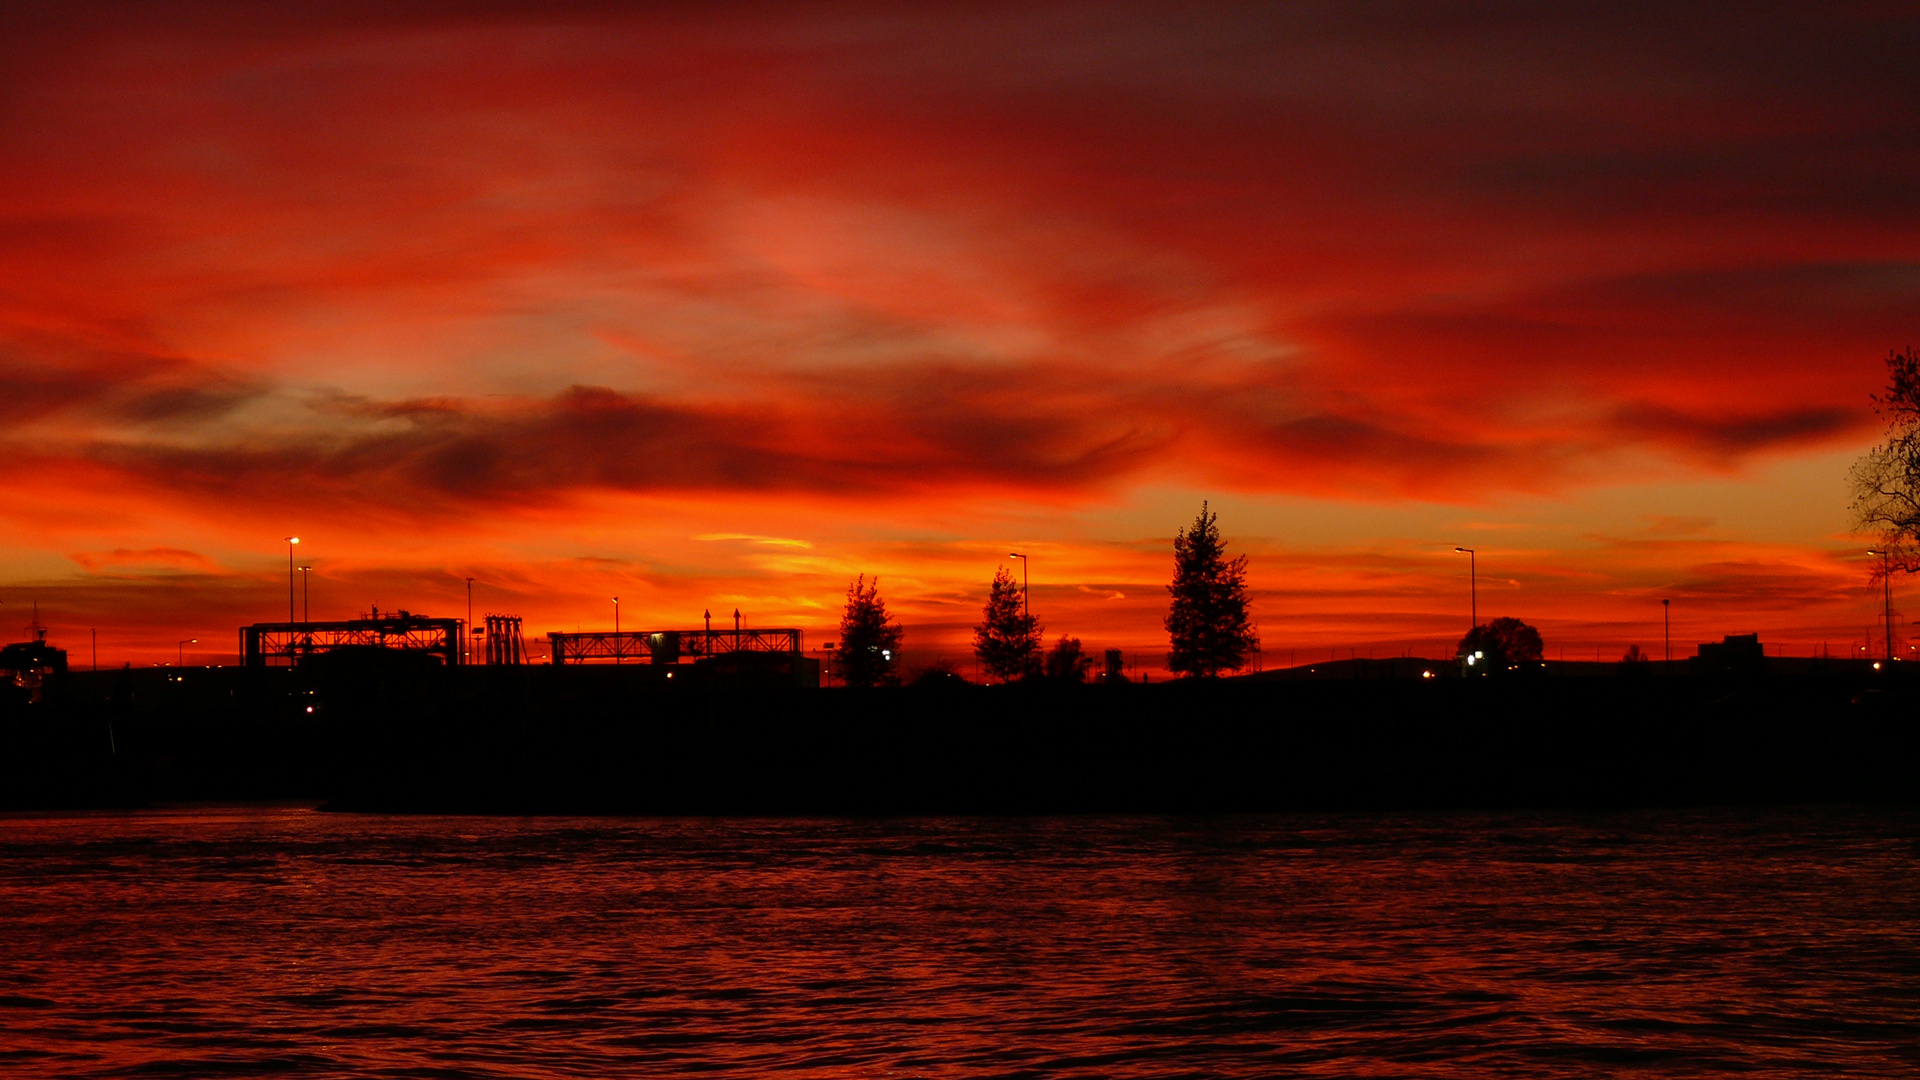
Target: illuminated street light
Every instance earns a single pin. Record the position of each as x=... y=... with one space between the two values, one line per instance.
x=180 y=652
x=1026 y=611
x=291 y=540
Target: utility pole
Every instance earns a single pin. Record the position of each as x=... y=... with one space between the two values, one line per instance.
x=291 y=540
x=468 y=649
x=1886 y=592
x=1473 y=585
x=1026 y=611
x=1666 y=627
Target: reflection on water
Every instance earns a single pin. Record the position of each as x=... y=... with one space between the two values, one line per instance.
x=255 y=942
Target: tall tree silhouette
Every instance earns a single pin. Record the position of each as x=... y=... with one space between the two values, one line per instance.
x=1886 y=482
x=1500 y=646
x=1006 y=641
x=1208 y=624
x=869 y=637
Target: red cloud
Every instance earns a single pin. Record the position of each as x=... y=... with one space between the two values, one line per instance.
x=146 y=558
x=394 y=265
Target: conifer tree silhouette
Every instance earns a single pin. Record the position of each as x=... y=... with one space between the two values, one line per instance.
x=869 y=637
x=1208 y=625
x=1006 y=641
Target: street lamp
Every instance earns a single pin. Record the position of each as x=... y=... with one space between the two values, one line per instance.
x=291 y=540
x=616 y=630
x=306 y=608
x=1886 y=591
x=1473 y=584
x=180 y=652
x=1666 y=627
x=469 y=633
x=1026 y=612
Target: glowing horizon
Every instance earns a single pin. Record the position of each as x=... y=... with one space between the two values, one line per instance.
x=722 y=307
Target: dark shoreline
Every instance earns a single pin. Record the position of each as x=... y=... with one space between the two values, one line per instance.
x=538 y=740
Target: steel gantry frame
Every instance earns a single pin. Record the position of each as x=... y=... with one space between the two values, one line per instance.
x=285 y=643
x=667 y=646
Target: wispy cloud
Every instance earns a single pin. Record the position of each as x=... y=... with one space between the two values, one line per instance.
x=764 y=541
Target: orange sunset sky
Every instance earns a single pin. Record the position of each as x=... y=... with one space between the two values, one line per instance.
x=717 y=306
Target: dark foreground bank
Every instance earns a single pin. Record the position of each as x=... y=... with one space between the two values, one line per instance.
x=539 y=740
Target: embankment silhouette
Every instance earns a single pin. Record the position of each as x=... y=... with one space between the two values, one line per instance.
x=606 y=740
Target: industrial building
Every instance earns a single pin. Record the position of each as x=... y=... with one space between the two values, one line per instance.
x=31 y=671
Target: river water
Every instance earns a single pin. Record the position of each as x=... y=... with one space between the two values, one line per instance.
x=257 y=942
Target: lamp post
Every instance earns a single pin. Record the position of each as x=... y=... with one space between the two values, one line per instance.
x=1473 y=585
x=1026 y=612
x=469 y=634
x=1666 y=628
x=180 y=652
x=616 y=630
x=736 y=629
x=306 y=607
x=706 y=647
x=1886 y=592
x=291 y=540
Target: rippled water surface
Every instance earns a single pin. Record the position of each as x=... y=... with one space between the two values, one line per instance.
x=257 y=942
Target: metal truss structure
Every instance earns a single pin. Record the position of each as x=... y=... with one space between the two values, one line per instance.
x=667 y=646
x=286 y=643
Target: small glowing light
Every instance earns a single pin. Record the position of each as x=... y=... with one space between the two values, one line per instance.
x=887 y=654
x=669 y=674
x=1426 y=674
x=1876 y=665
x=309 y=708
